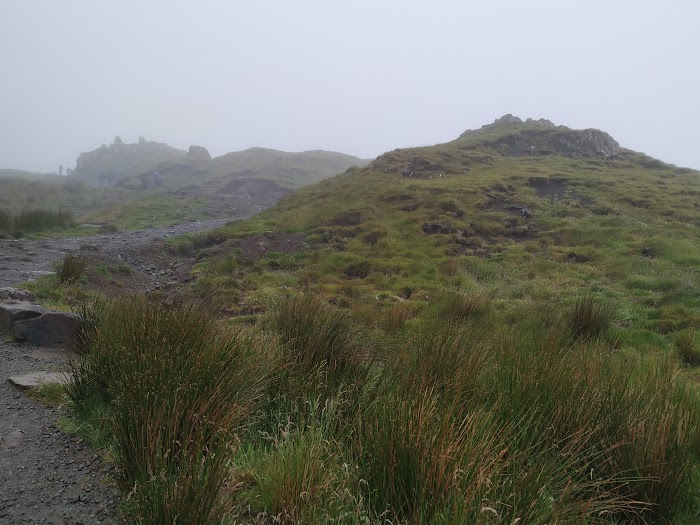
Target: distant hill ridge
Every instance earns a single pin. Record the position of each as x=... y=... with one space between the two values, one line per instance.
x=119 y=163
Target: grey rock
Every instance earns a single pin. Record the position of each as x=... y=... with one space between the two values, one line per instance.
x=11 y=440
x=198 y=152
x=50 y=329
x=34 y=379
x=16 y=294
x=14 y=311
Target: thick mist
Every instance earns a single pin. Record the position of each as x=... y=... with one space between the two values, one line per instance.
x=358 y=77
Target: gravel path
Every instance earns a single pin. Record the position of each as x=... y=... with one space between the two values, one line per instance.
x=46 y=476
x=25 y=259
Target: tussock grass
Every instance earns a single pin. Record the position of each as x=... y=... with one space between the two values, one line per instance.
x=178 y=390
x=70 y=268
x=305 y=419
x=590 y=317
x=686 y=351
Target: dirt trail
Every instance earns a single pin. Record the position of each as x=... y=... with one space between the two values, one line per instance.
x=47 y=476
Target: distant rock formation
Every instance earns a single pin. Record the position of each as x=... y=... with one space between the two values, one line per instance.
x=198 y=152
x=107 y=165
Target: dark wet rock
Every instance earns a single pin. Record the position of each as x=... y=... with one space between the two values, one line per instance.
x=51 y=329
x=15 y=311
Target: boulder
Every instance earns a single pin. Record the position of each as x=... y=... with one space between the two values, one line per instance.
x=14 y=311
x=15 y=294
x=34 y=379
x=198 y=152
x=51 y=329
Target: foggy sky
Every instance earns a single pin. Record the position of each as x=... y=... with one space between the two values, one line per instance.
x=358 y=76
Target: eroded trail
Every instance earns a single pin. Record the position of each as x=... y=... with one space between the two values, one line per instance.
x=25 y=259
x=46 y=476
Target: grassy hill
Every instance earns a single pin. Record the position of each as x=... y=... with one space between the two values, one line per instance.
x=500 y=329
x=478 y=215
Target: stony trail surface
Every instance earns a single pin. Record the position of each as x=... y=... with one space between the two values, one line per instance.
x=47 y=476
x=22 y=260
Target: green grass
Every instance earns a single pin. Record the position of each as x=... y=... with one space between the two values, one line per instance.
x=309 y=418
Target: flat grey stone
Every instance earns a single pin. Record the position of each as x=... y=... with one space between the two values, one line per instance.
x=34 y=379
x=11 y=440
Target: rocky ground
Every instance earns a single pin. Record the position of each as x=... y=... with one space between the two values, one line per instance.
x=47 y=476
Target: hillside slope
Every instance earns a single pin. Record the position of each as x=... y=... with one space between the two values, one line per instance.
x=524 y=212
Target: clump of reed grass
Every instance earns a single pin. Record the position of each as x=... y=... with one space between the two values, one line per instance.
x=685 y=349
x=178 y=389
x=395 y=317
x=590 y=317
x=313 y=334
x=70 y=268
x=458 y=307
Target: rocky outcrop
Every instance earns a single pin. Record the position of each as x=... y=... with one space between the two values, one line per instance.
x=198 y=152
x=542 y=137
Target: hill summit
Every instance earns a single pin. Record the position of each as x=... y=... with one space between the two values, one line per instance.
x=543 y=137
